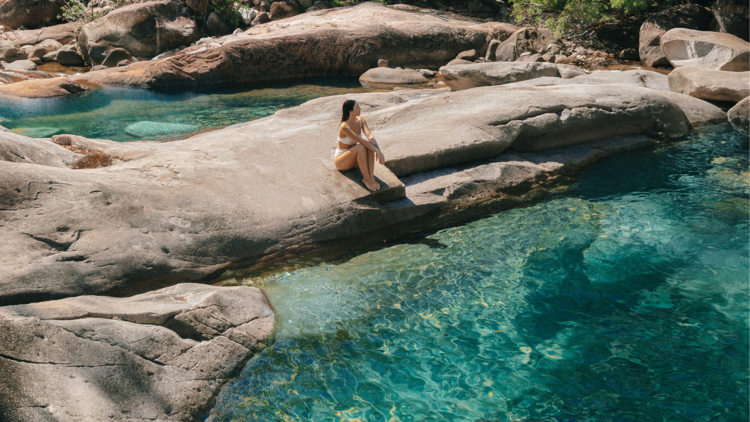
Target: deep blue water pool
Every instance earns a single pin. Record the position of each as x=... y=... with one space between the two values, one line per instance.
x=625 y=299
x=128 y=114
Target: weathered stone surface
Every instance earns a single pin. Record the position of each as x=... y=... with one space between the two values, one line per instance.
x=63 y=33
x=384 y=77
x=697 y=111
x=261 y=18
x=143 y=29
x=43 y=88
x=21 y=149
x=569 y=71
x=20 y=65
x=708 y=50
x=467 y=76
x=691 y=16
x=739 y=116
x=158 y=356
x=339 y=41
x=733 y=17
x=532 y=40
x=29 y=13
x=115 y=56
x=468 y=55
x=156 y=216
x=710 y=84
x=67 y=57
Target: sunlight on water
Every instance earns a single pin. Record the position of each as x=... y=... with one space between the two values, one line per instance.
x=627 y=300
x=106 y=113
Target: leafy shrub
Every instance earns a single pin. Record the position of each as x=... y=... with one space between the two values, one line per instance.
x=83 y=10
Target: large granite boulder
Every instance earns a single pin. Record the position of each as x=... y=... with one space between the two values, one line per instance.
x=708 y=50
x=708 y=84
x=339 y=41
x=466 y=76
x=733 y=17
x=143 y=29
x=29 y=13
x=532 y=40
x=384 y=77
x=691 y=16
x=186 y=210
x=739 y=116
x=160 y=356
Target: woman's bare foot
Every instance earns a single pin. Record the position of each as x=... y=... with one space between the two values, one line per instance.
x=371 y=185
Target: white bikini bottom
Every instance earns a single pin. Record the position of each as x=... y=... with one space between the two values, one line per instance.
x=340 y=151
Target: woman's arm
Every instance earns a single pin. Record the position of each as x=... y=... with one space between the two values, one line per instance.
x=350 y=133
x=371 y=137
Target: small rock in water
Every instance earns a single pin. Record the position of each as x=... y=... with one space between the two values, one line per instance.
x=37 y=132
x=21 y=65
x=147 y=129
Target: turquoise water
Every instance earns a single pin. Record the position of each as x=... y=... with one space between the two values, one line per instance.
x=625 y=299
x=128 y=114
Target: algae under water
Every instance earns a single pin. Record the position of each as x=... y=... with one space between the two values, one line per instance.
x=624 y=300
x=129 y=114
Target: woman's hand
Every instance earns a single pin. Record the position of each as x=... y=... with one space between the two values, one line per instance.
x=380 y=157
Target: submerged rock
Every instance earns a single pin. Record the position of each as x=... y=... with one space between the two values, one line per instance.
x=162 y=355
x=146 y=129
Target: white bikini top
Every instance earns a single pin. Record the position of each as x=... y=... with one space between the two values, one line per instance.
x=349 y=141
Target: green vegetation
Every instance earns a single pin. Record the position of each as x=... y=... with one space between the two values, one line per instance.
x=566 y=16
x=225 y=8
x=83 y=10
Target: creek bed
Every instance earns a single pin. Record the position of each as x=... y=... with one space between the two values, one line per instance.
x=623 y=299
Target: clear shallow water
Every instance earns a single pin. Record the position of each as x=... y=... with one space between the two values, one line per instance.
x=106 y=113
x=625 y=300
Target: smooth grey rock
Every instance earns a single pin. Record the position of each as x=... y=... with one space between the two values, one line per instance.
x=458 y=61
x=531 y=58
x=22 y=149
x=50 y=57
x=21 y=65
x=644 y=78
x=739 y=116
x=568 y=71
x=697 y=111
x=248 y=15
x=161 y=356
x=707 y=50
x=186 y=209
x=383 y=77
x=466 y=76
x=492 y=51
x=709 y=84
x=690 y=16
x=468 y=55
x=115 y=56
x=261 y=18
x=216 y=26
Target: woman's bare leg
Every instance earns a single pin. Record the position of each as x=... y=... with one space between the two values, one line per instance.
x=371 y=167
x=362 y=160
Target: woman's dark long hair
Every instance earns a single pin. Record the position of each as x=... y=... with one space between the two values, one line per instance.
x=347 y=109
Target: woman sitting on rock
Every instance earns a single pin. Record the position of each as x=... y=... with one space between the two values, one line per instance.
x=354 y=149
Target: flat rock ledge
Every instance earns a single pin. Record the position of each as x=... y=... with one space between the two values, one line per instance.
x=188 y=210
x=159 y=356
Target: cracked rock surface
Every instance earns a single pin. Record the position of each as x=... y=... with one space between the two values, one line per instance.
x=159 y=356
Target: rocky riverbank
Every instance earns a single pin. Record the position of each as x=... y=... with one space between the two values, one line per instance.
x=500 y=115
